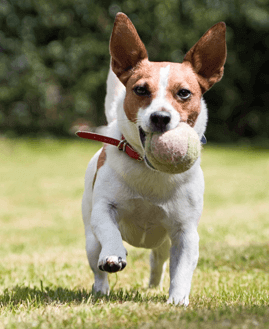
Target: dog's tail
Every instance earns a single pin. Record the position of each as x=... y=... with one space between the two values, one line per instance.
x=114 y=90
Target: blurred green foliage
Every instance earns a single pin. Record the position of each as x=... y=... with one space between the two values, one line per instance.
x=54 y=60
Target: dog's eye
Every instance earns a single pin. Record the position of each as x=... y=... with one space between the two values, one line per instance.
x=184 y=93
x=141 y=91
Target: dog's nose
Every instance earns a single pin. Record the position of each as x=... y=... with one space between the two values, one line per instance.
x=160 y=120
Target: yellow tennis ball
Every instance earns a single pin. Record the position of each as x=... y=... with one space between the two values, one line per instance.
x=173 y=151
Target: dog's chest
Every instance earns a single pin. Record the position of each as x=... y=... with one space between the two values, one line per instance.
x=140 y=223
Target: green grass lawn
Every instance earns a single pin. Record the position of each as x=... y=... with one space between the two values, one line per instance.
x=45 y=280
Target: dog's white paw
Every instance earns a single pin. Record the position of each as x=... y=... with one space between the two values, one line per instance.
x=100 y=289
x=178 y=300
x=112 y=264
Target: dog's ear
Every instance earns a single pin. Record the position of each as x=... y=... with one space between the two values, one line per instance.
x=208 y=56
x=126 y=47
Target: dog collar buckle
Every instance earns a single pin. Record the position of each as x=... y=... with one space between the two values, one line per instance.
x=122 y=145
x=127 y=148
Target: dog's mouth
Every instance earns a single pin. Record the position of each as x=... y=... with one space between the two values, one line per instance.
x=142 y=135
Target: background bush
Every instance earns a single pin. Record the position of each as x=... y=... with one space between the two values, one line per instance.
x=54 y=60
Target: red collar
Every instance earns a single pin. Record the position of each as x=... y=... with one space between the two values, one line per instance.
x=122 y=144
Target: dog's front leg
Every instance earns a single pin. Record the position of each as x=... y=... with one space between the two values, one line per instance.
x=112 y=257
x=183 y=260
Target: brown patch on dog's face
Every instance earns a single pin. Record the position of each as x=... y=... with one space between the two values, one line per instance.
x=183 y=80
x=144 y=86
x=144 y=76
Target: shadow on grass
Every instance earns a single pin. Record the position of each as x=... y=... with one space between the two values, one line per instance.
x=49 y=296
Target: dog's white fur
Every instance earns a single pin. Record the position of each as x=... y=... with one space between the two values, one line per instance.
x=146 y=208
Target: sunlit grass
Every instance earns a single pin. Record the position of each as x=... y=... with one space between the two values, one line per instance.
x=45 y=280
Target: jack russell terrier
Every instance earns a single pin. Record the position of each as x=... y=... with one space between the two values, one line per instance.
x=125 y=199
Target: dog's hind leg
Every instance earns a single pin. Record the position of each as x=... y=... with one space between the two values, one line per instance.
x=93 y=249
x=158 y=259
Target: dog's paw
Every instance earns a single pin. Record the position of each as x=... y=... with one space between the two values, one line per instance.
x=100 y=290
x=177 y=300
x=112 y=264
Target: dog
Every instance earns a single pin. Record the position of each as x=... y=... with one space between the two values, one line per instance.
x=125 y=198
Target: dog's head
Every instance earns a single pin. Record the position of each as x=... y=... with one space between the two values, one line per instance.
x=159 y=95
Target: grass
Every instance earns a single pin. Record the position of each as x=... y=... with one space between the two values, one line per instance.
x=45 y=280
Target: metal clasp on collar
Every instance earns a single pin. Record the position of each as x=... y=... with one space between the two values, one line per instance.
x=125 y=147
x=122 y=145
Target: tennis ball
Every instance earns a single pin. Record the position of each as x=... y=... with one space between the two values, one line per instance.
x=173 y=151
